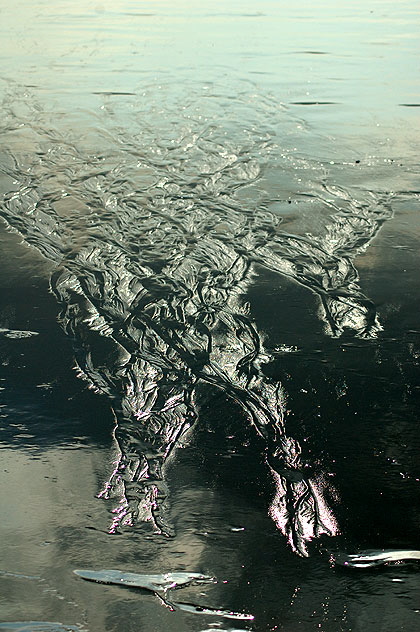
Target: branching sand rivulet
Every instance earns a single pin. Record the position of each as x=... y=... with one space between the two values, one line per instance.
x=155 y=250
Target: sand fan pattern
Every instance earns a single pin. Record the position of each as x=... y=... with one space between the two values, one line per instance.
x=155 y=241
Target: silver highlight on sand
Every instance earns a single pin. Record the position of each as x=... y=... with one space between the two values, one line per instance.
x=161 y=585
x=369 y=559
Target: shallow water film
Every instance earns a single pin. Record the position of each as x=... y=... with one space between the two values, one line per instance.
x=209 y=316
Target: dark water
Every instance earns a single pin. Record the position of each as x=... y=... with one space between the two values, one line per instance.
x=209 y=331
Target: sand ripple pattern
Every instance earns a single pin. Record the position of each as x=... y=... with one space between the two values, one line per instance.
x=157 y=218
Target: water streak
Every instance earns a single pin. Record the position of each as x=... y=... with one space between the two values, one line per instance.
x=39 y=626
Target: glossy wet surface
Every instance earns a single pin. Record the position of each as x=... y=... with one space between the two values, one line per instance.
x=209 y=332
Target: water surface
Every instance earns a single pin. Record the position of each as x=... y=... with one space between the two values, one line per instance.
x=209 y=330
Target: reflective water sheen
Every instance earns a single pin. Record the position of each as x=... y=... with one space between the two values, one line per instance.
x=210 y=219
